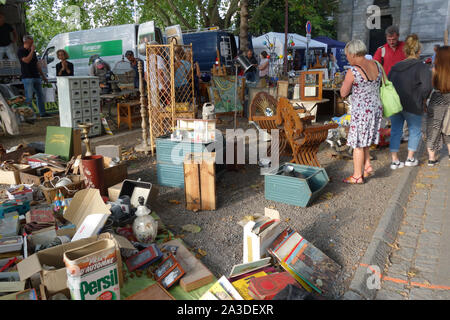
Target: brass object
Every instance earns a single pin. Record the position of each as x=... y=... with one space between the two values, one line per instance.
x=85 y=128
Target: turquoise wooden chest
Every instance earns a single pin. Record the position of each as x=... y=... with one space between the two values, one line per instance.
x=297 y=191
x=169 y=160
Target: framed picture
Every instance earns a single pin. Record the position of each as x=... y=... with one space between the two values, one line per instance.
x=147 y=256
x=165 y=266
x=311 y=85
x=172 y=276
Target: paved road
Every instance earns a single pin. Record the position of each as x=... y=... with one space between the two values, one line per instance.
x=419 y=267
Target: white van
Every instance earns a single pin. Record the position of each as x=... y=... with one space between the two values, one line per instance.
x=110 y=43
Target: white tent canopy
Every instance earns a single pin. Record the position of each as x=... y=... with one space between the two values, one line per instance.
x=278 y=40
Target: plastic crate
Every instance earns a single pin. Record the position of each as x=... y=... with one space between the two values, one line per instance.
x=293 y=190
x=9 y=244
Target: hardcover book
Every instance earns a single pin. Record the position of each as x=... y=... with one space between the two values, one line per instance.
x=301 y=258
x=266 y=287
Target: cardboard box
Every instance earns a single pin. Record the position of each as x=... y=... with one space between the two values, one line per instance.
x=114 y=191
x=116 y=174
x=56 y=280
x=87 y=212
x=92 y=271
x=50 y=192
x=134 y=189
x=11 y=286
x=255 y=245
x=35 y=175
x=12 y=177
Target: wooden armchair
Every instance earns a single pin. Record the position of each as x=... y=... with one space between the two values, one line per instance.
x=261 y=104
x=303 y=136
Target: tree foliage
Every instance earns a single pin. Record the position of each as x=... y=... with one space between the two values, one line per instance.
x=268 y=15
x=47 y=18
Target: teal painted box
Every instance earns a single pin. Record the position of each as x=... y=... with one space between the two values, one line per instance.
x=170 y=175
x=295 y=190
x=170 y=157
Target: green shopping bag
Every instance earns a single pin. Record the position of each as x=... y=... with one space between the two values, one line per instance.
x=389 y=96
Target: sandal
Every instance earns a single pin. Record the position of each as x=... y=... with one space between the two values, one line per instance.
x=368 y=173
x=353 y=180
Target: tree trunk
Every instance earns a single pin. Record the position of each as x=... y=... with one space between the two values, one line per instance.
x=243 y=32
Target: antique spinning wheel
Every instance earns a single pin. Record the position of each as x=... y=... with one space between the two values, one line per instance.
x=263 y=111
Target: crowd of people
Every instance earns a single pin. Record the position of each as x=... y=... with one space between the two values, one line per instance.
x=424 y=93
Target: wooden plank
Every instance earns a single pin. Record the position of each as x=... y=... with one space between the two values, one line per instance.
x=197 y=275
x=208 y=183
x=192 y=184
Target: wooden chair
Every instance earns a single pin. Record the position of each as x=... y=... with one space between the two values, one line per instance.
x=303 y=136
x=128 y=112
x=260 y=103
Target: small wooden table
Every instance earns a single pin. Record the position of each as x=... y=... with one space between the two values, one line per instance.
x=309 y=105
x=128 y=112
x=114 y=97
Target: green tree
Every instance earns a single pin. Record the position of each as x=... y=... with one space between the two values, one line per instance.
x=268 y=15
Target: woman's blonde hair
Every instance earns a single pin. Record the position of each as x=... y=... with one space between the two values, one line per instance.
x=412 y=46
x=356 y=48
x=66 y=55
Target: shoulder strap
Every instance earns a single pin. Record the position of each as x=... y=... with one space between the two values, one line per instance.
x=381 y=69
x=363 y=71
x=383 y=51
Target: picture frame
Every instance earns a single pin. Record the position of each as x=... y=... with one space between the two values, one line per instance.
x=172 y=276
x=166 y=265
x=169 y=272
x=311 y=85
x=144 y=257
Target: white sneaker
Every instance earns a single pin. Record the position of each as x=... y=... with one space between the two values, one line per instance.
x=397 y=165
x=411 y=162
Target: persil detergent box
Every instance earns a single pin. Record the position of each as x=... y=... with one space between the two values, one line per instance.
x=92 y=272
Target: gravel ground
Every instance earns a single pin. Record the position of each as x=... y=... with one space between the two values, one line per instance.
x=341 y=226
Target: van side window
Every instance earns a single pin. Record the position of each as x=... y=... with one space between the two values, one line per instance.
x=50 y=55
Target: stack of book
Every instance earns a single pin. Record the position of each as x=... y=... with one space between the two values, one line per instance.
x=221 y=290
x=307 y=264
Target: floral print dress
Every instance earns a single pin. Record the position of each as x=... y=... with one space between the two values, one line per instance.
x=367 y=111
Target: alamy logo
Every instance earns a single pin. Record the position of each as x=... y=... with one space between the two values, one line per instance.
x=232 y=149
x=374 y=18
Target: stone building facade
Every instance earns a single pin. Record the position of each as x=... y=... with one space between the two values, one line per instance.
x=427 y=18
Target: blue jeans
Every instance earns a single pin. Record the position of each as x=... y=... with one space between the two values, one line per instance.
x=414 y=122
x=34 y=85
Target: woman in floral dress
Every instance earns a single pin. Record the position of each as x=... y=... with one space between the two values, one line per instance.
x=363 y=80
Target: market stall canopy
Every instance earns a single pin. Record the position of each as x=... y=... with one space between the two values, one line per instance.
x=337 y=47
x=278 y=40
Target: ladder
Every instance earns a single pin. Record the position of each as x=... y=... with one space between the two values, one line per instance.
x=225 y=51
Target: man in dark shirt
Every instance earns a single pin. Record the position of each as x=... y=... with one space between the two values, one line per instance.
x=6 y=43
x=31 y=74
x=134 y=62
x=251 y=73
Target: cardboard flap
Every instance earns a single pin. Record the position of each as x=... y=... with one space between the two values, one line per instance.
x=29 y=266
x=123 y=242
x=84 y=203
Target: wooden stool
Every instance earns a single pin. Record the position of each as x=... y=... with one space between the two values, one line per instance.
x=128 y=112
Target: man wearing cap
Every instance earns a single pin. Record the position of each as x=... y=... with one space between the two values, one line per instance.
x=134 y=64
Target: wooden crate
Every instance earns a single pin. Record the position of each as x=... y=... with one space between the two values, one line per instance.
x=200 y=181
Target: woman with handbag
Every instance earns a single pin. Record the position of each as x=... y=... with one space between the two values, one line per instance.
x=363 y=81
x=412 y=81
x=438 y=114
